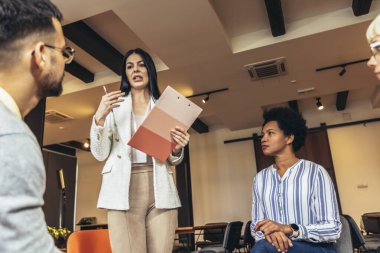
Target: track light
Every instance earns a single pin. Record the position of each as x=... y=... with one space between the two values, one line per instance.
x=343 y=71
x=342 y=65
x=206 y=98
x=319 y=104
x=206 y=95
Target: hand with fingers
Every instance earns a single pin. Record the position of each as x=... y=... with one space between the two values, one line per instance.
x=109 y=101
x=269 y=226
x=276 y=233
x=280 y=241
x=181 y=137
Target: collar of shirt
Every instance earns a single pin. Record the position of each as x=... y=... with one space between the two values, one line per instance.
x=9 y=102
x=288 y=171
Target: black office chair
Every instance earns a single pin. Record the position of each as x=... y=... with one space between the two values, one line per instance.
x=212 y=236
x=344 y=243
x=230 y=241
x=248 y=241
x=371 y=222
x=181 y=245
x=358 y=241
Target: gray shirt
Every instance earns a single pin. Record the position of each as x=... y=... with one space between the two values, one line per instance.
x=22 y=185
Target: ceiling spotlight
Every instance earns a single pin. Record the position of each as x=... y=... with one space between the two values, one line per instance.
x=319 y=104
x=86 y=144
x=343 y=71
x=206 y=98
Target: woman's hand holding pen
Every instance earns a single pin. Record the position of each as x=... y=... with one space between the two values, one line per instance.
x=108 y=102
x=181 y=137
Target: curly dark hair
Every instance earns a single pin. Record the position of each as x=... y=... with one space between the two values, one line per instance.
x=290 y=122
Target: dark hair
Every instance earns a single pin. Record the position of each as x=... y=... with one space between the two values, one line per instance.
x=290 y=122
x=125 y=86
x=20 y=18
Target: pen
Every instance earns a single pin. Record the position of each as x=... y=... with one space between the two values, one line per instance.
x=117 y=134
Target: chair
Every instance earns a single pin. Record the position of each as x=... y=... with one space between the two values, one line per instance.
x=344 y=243
x=212 y=236
x=371 y=222
x=89 y=241
x=358 y=241
x=248 y=241
x=181 y=244
x=230 y=241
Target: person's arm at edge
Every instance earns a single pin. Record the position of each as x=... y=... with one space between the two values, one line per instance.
x=329 y=226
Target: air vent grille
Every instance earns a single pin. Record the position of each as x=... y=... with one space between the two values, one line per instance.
x=266 y=69
x=53 y=116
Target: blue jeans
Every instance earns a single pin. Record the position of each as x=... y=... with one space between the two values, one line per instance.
x=263 y=246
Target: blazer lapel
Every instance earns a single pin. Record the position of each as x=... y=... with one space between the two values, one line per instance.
x=123 y=119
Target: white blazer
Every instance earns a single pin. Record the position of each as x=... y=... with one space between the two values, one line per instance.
x=111 y=141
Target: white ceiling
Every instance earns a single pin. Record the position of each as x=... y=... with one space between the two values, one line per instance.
x=201 y=45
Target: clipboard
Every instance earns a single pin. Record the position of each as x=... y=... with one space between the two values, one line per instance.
x=153 y=135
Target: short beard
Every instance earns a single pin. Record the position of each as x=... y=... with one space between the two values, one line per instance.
x=49 y=87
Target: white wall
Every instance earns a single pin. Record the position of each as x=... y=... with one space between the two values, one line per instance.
x=221 y=176
x=356 y=157
x=88 y=186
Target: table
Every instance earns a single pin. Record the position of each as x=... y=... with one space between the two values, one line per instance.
x=191 y=230
x=196 y=231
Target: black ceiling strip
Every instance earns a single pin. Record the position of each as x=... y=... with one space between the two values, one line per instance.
x=239 y=140
x=276 y=17
x=88 y=40
x=323 y=126
x=361 y=7
x=200 y=126
x=340 y=65
x=80 y=72
x=207 y=93
x=341 y=100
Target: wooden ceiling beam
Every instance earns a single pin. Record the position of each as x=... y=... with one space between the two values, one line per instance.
x=361 y=7
x=341 y=100
x=200 y=126
x=276 y=17
x=293 y=104
x=80 y=72
x=91 y=42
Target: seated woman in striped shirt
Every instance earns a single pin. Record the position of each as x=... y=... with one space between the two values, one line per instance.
x=294 y=205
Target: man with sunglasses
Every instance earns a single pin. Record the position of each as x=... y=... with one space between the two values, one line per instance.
x=32 y=59
x=373 y=37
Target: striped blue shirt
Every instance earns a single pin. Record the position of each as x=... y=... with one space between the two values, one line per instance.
x=304 y=195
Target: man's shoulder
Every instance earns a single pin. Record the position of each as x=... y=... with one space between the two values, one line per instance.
x=10 y=123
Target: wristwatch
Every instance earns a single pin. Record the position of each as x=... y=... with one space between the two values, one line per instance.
x=295 y=229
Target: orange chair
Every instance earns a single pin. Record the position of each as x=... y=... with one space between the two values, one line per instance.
x=89 y=241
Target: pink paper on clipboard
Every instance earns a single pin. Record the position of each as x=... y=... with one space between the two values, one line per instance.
x=153 y=136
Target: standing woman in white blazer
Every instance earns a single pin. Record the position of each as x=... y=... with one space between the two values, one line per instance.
x=137 y=190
